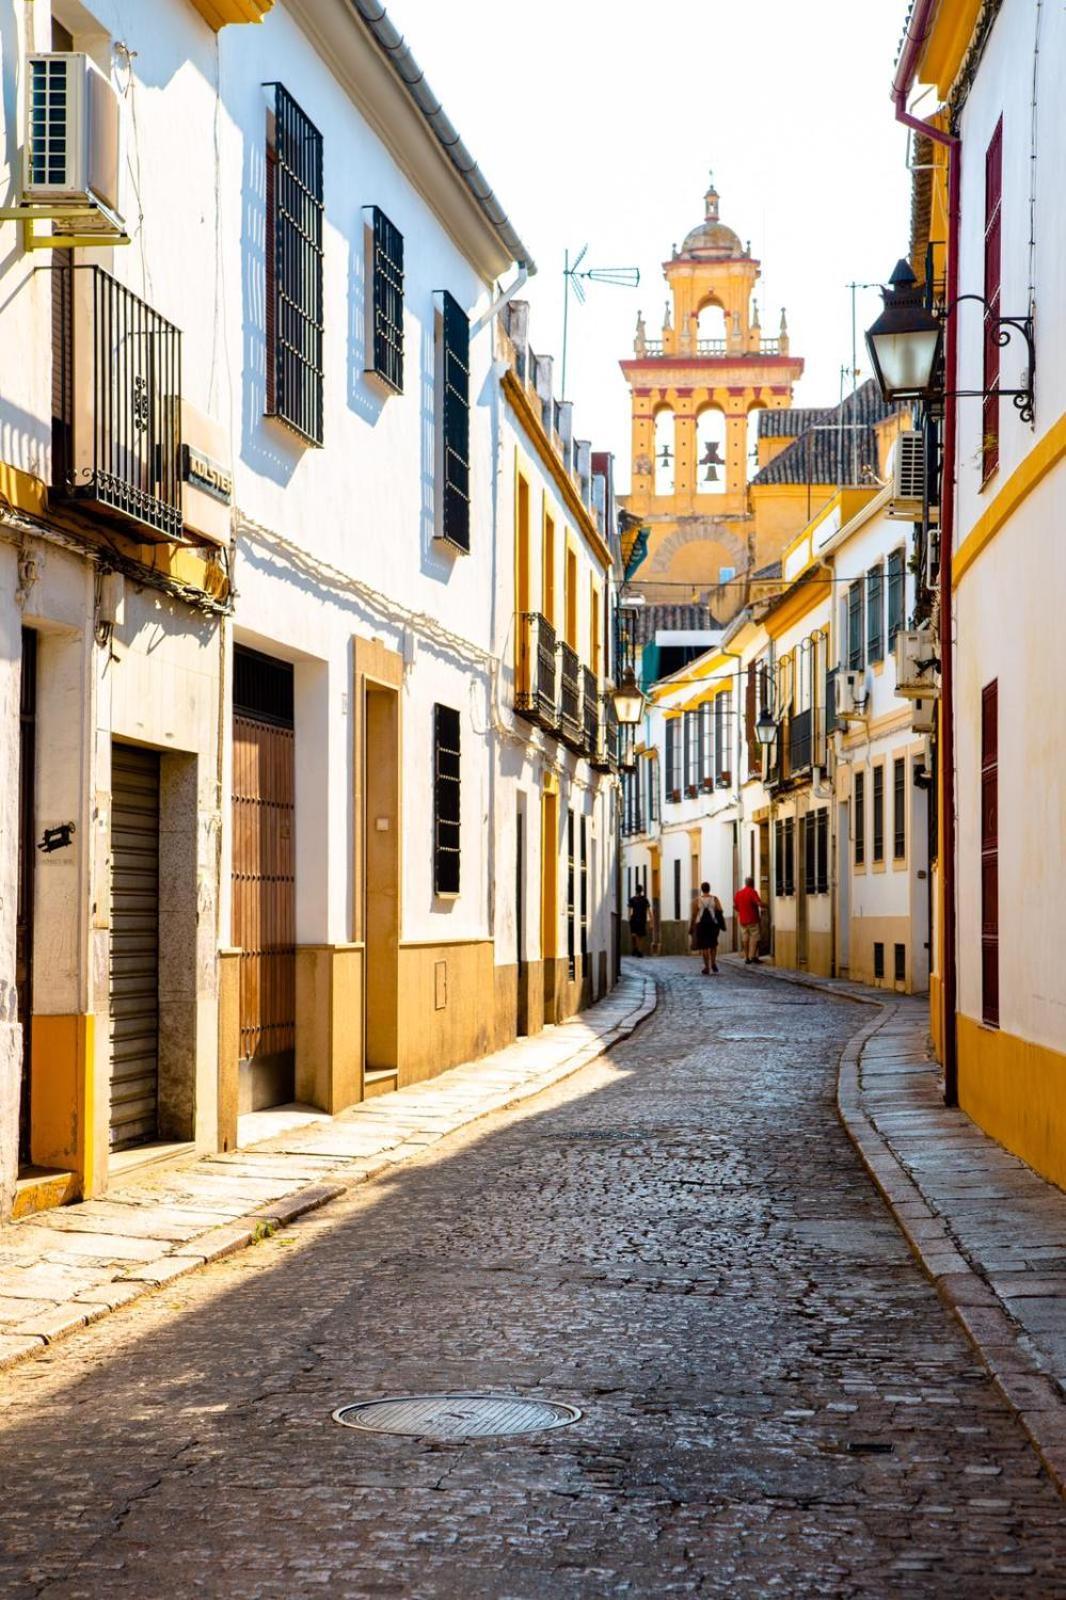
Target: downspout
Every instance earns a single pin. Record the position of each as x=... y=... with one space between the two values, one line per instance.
x=917 y=32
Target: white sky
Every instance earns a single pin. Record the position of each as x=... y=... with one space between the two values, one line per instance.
x=597 y=121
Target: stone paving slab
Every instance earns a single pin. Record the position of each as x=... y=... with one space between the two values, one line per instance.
x=988 y=1230
x=62 y=1269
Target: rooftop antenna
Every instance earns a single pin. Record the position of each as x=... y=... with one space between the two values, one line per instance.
x=574 y=279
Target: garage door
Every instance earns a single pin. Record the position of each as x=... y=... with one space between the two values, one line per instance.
x=134 y=946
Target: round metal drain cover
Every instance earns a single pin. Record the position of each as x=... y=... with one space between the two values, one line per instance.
x=456 y=1416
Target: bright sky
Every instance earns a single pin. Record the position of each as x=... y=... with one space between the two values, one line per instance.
x=597 y=121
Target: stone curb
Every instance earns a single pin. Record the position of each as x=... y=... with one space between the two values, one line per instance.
x=36 y=1334
x=1024 y=1386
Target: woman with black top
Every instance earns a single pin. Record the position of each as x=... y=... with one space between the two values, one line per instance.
x=708 y=921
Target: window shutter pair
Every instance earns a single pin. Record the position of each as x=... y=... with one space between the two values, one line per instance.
x=446 y=800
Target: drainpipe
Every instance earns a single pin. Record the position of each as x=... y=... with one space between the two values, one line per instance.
x=916 y=36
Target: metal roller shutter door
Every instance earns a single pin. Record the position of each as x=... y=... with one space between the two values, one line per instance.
x=134 y=946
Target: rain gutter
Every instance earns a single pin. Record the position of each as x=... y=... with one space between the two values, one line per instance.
x=918 y=26
x=391 y=43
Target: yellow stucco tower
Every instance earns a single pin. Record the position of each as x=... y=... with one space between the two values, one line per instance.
x=694 y=394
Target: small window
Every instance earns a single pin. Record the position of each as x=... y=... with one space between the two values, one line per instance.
x=384 y=334
x=692 y=751
x=858 y=821
x=896 y=595
x=677 y=890
x=779 y=859
x=454 y=424
x=584 y=888
x=790 y=855
x=875 y=614
x=293 y=252
x=855 y=627
x=571 y=951
x=673 y=783
x=900 y=963
x=810 y=871
x=822 y=851
x=446 y=800
x=879 y=959
x=879 y=814
x=899 y=808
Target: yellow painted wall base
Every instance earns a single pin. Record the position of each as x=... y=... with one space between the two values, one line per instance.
x=1016 y=1091
x=888 y=931
x=936 y=1015
x=61 y=1092
x=329 y=1025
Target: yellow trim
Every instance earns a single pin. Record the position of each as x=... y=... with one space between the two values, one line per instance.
x=949 y=40
x=217 y=13
x=1018 y=487
x=1016 y=1089
x=534 y=431
x=811 y=591
x=61 y=1094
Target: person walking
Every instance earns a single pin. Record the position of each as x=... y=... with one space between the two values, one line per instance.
x=639 y=919
x=708 y=921
x=747 y=904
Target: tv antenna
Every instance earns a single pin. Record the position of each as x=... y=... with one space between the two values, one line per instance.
x=574 y=279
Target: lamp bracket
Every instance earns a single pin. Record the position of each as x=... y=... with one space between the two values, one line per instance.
x=1005 y=327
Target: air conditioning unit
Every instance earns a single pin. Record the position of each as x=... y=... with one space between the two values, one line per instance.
x=923 y=715
x=850 y=689
x=909 y=479
x=916 y=664
x=72 y=149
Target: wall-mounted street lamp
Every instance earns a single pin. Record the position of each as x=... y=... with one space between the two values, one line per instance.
x=905 y=345
x=628 y=700
x=765 y=727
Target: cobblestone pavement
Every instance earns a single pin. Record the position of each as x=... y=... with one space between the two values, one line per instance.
x=681 y=1241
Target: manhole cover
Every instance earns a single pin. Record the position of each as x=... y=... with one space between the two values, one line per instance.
x=456 y=1416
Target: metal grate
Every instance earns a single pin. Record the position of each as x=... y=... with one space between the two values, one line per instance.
x=536 y=692
x=454 y=1417
x=446 y=800
x=455 y=424
x=294 y=269
x=388 y=301
x=571 y=953
x=569 y=693
x=590 y=711
x=119 y=383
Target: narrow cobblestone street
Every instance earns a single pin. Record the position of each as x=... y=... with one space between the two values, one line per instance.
x=679 y=1240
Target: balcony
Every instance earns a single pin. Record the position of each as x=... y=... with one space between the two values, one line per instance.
x=118 y=366
x=590 y=711
x=536 y=694
x=570 y=721
x=713 y=348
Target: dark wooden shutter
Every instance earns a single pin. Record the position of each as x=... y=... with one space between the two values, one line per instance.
x=899 y=808
x=822 y=870
x=896 y=595
x=779 y=859
x=993 y=266
x=387 y=355
x=571 y=951
x=858 y=821
x=875 y=614
x=790 y=855
x=447 y=790
x=751 y=712
x=671 y=758
x=455 y=425
x=810 y=870
x=990 y=854
x=879 y=813
x=855 y=641
x=295 y=212
x=677 y=890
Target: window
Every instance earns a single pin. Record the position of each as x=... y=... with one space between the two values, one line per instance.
x=779 y=859
x=547 y=604
x=790 y=855
x=692 y=751
x=855 y=655
x=723 y=723
x=571 y=951
x=385 y=301
x=706 y=743
x=821 y=828
x=879 y=813
x=858 y=821
x=651 y=770
x=896 y=595
x=810 y=873
x=879 y=959
x=993 y=253
x=672 y=777
x=446 y=798
x=584 y=901
x=990 y=854
x=595 y=641
x=455 y=423
x=677 y=890
x=751 y=712
x=900 y=963
x=875 y=614
x=899 y=808
x=293 y=249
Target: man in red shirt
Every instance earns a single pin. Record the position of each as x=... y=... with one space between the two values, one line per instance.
x=747 y=905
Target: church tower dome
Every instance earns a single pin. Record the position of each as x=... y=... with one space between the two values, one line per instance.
x=711 y=240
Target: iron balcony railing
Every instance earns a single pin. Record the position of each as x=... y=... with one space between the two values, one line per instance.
x=119 y=394
x=569 y=694
x=590 y=711
x=712 y=347
x=536 y=676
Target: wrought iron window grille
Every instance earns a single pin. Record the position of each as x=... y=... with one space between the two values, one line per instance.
x=294 y=287
x=447 y=807
x=454 y=424
x=385 y=300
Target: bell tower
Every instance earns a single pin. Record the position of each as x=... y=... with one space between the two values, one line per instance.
x=692 y=392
